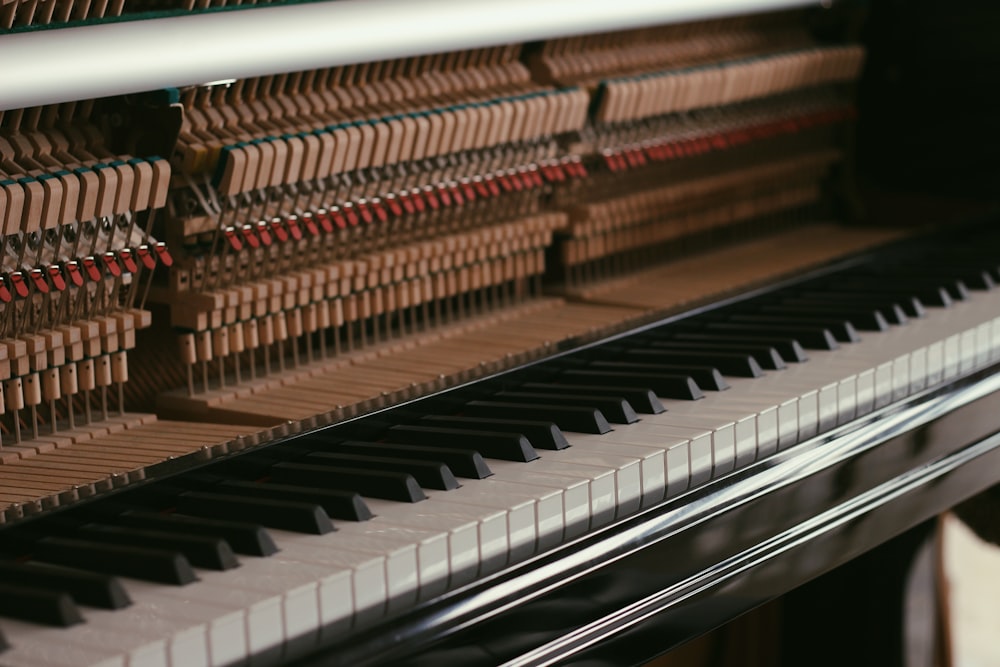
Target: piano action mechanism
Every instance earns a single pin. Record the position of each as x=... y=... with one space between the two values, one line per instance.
x=304 y=351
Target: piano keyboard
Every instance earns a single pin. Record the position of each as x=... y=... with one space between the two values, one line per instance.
x=540 y=457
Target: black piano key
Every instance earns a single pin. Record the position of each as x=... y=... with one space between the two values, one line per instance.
x=466 y=463
x=978 y=280
x=284 y=514
x=245 y=538
x=728 y=363
x=841 y=329
x=789 y=348
x=491 y=444
x=429 y=474
x=955 y=288
x=909 y=304
x=972 y=278
x=668 y=386
x=364 y=430
x=38 y=606
x=208 y=552
x=892 y=312
x=643 y=400
x=930 y=293
x=541 y=435
x=387 y=485
x=867 y=319
x=159 y=565
x=630 y=359
x=581 y=420
x=346 y=505
x=935 y=296
x=706 y=377
x=961 y=261
x=96 y=590
x=811 y=338
x=249 y=467
x=766 y=355
x=547 y=372
x=616 y=409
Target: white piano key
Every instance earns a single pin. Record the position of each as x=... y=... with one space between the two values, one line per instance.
x=788 y=426
x=865 y=392
x=228 y=632
x=777 y=414
x=952 y=357
x=356 y=583
x=675 y=451
x=723 y=434
x=699 y=444
x=883 y=385
x=984 y=336
x=184 y=633
x=39 y=646
x=259 y=618
x=401 y=568
x=827 y=407
x=935 y=363
x=652 y=469
x=995 y=341
x=968 y=349
x=473 y=533
x=253 y=610
x=734 y=425
x=783 y=417
x=575 y=498
x=847 y=399
x=286 y=601
x=678 y=467
x=900 y=377
x=521 y=506
x=628 y=469
x=746 y=435
x=918 y=369
x=587 y=490
x=605 y=481
x=147 y=634
x=547 y=517
x=431 y=549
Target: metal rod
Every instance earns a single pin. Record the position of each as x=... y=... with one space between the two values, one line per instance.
x=206 y=47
